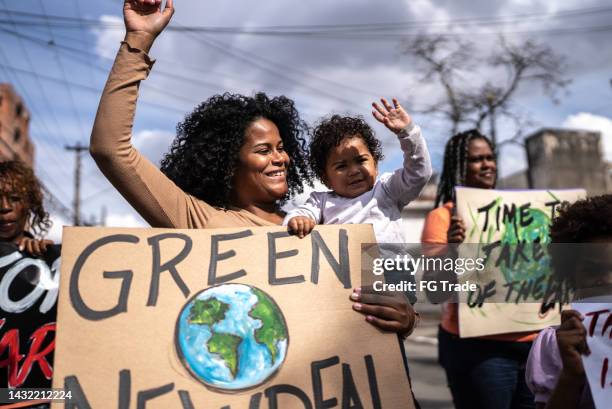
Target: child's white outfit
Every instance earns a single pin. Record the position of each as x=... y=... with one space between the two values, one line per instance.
x=382 y=205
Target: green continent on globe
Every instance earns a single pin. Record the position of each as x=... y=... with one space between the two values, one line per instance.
x=226 y=346
x=273 y=328
x=207 y=312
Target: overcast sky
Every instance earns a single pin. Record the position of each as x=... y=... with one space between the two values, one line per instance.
x=324 y=74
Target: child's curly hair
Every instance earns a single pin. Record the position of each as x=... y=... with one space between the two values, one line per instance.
x=18 y=178
x=580 y=222
x=331 y=131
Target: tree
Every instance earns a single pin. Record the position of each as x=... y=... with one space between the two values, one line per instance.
x=445 y=59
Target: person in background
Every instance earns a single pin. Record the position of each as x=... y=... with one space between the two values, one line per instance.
x=555 y=372
x=22 y=214
x=28 y=332
x=483 y=372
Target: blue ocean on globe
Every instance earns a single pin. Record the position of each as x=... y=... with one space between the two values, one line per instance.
x=232 y=336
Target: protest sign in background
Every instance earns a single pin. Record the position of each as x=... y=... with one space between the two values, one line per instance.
x=597 y=365
x=502 y=222
x=28 y=296
x=134 y=325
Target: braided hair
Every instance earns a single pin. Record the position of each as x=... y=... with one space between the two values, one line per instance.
x=455 y=164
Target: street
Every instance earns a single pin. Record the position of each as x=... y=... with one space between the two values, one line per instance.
x=428 y=378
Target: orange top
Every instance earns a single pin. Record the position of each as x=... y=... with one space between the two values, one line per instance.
x=435 y=232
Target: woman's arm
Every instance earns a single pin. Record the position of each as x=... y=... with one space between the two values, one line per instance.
x=158 y=200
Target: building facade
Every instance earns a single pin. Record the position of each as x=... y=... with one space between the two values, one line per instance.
x=15 y=140
x=562 y=159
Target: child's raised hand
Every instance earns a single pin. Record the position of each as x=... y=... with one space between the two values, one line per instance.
x=393 y=117
x=301 y=225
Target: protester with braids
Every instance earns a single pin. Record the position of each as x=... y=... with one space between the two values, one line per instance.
x=484 y=372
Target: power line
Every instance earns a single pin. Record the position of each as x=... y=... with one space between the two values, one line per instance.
x=31 y=104
x=44 y=95
x=71 y=22
x=84 y=87
x=87 y=62
x=63 y=72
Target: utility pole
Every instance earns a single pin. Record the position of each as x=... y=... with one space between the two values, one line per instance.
x=78 y=148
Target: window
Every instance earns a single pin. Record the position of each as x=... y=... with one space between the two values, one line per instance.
x=18 y=109
x=17 y=135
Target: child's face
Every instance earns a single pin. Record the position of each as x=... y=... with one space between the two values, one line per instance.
x=350 y=170
x=13 y=216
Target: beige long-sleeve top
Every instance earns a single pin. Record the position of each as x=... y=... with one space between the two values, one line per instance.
x=158 y=200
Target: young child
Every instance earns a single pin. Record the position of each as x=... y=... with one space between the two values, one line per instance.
x=555 y=372
x=344 y=154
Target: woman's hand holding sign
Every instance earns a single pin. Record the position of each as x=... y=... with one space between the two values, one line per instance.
x=385 y=310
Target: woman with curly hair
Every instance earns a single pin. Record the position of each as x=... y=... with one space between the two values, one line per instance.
x=22 y=214
x=235 y=158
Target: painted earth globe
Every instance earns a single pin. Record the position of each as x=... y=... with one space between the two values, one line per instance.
x=232 y=337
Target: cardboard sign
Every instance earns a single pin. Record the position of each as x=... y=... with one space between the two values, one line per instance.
x=28 y=308
x=510 y=297
x=598 y=323
x=220 y=318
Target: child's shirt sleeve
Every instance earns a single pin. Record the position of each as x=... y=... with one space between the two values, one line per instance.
x=544 y=365
x=405 y=184
x=311 y=208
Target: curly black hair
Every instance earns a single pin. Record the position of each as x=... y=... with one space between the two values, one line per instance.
x=331 y=131
x=18 y=178
x=583 y=220
x=580 y=222
x=204 y=155
x=454 y=169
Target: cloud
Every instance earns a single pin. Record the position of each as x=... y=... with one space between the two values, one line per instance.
x=124 y=220
x=592 y=122
x=153 y=143
x=108 y=39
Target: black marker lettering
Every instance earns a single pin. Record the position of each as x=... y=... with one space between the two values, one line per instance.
x=272 y=392
x=485 y=209
x=373 y=382
x=350 y=397
x=144 y=396
x=273 y=256
x=78 y=399
x=317 y=384
x=341 y=266
x=215 y=257
x=126 y=276
x=170 y=266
